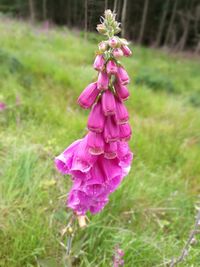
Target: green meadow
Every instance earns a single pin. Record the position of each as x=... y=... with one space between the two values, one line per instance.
x=152 y=213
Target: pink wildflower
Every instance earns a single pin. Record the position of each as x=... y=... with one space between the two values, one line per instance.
x=122 y=91
x=103 y=81
x=99 y=162
x=88 y=96
x=122 y=76
x=96 y=118
x=111 y=130
x=108 y=103
x=111 y=67
x=99 y=63
x=2 y=106
x=121 y=112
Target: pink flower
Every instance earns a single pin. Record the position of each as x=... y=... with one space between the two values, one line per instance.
x=122 y=76
x=113 y=42
x=122 y=91
x=121 y=112
x=2 y=106
x=111 y=67
x=63 y=162
x=110 y=150
x=117 y=52
x=127 y=52
x=99 y=63
x=125 y=132
x=108 y=103
x=82 y=159
x=95 y=143
x=103 y=81
x=96 y=118
x=88 y=96
x=111 y=130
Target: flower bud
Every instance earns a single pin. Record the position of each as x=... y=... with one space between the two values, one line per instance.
x=101 y=28
x=117 y=52
x=126 y=51
x=113 y=42
x=103 y=46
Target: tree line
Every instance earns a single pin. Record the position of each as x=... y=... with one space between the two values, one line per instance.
x=170 y=23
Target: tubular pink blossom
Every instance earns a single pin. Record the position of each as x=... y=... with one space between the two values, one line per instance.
x=88 y=96
x=108 y=103
x=103 y=81
x=83 y=160
x=121 y=91
x=110 y=150
x=122 y=76
x=96 y=118
x=63 y=162
x=126 y=50
x=95 y=143
x=121 y=112
x=125 y=132
x=99 y=63
x=111 y=67
x=111 y=130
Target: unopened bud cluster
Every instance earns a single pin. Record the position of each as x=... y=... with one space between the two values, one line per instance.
x=113 y=47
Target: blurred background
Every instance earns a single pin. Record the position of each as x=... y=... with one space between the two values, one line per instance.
x=170 y=23
x=47 y=49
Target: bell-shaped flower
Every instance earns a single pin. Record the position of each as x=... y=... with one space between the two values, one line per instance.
x=111 y=67
x=83 y=160
x=88 y=96
x=99 y=63
x=122 y=76
x=121 y=112
x=121 y=91
x=111 y=130
x=63 y=162
x=110 y=150
x=108 y=103
x=96 y=118
x=95 y=143
x=103 y=81
x=125 y=132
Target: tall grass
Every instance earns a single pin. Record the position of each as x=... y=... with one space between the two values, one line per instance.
x=152 y=212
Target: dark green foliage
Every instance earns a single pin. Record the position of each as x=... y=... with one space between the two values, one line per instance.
x=194 y=99
x=154 y=80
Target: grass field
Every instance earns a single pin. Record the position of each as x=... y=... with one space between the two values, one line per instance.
x=41 y=75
